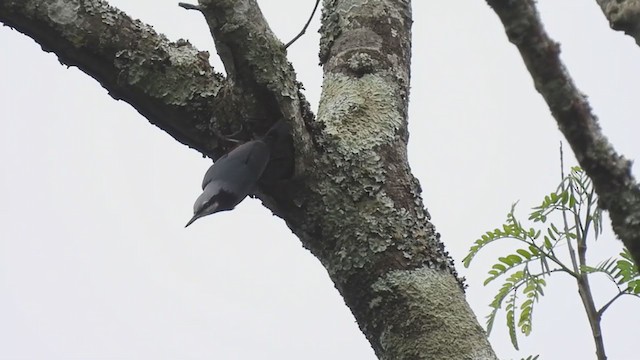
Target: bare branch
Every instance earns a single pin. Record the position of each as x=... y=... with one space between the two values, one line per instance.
x=606 y=306
x=611 y=173
x=189 y=6
x=304 y=28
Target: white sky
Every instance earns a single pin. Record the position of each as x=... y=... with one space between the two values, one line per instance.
x=95 y=262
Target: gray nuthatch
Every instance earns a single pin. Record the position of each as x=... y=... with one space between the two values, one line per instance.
x=237 y=173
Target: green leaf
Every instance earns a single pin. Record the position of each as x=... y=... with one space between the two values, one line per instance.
x=526 y=304
x=514 y=259
x=505 y=260
x=534 y=250
x=625 y=254
x=524 y=287
x=511 y=315
x=620 y=270
x=484 y=240
x=626 y=272
x=633 y=287
x=506 y=288
x=531 y=286
x=512 y=329
x=499 y=267
x=525 y=254
x=490 y=319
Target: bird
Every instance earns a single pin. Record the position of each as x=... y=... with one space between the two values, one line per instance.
x=237 y=173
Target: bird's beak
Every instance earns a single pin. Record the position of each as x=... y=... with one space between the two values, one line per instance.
x=194 y=218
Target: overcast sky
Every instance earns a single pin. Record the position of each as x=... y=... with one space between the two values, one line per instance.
x=95 y=262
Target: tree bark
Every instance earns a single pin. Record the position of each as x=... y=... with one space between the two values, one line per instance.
x=617 y=189
x=623 y=15
x=353 y=201
x=375 y=237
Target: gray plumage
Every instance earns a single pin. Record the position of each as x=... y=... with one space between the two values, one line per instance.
x=236 y=174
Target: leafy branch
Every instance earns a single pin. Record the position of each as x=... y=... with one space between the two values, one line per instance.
x=526 y=269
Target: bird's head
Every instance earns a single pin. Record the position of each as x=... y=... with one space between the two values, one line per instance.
x=212 y=200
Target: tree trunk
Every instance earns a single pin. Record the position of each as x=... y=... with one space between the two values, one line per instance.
x=353 y=201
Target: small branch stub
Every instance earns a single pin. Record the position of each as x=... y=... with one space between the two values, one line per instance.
x=188 y=6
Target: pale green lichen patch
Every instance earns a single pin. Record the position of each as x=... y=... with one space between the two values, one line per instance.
x=182 y=54
x=360 y=230
x=362 y=63
x=329 y=29
x=62 y=11
x=139 y=68
x=433 y=305
x=370 y=8
x=359 y=113
x=360 y=117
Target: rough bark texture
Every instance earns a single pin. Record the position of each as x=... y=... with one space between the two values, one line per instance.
x=623 y=15
x=353 y=202
x=170 y=83
x=616 y=187
x=371 y=229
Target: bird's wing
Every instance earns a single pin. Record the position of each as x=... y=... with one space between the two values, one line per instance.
x=209 y=174
x=256 y=157
x=249 y=158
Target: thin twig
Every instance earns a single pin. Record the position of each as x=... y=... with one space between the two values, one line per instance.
x=304 y=29
x=572 y=252
x=553 y=258
x=230 y=137
x=582 y=280
x=605 y=306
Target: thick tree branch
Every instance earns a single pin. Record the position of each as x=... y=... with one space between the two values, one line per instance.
x=170 y=83
x=623 y=15
x=256 y=63
x=611 y=173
